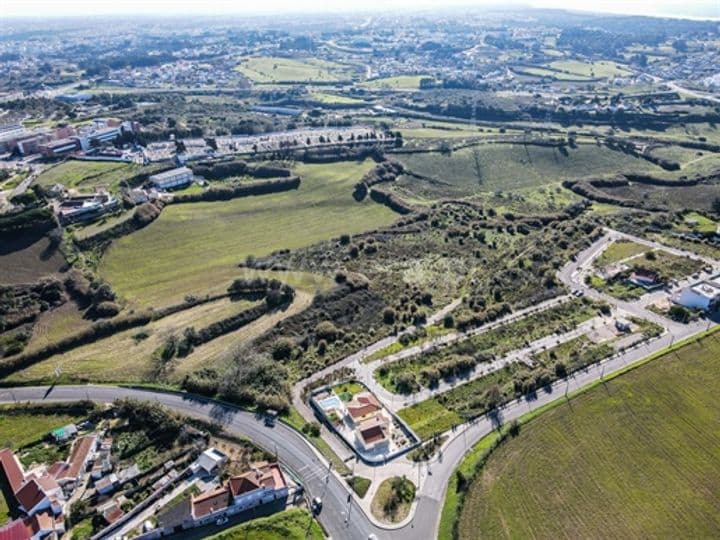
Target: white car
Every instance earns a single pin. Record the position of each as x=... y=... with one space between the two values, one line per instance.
x=222 y=520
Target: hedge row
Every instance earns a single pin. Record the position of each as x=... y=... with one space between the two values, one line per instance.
x=143 y=215
x=34 y=220
x=391 y=201
x=243 y=190
x=97 y=331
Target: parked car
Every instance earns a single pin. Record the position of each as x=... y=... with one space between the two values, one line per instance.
x=222 y=520
x=316 y=505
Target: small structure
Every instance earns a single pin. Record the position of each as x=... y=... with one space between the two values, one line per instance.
x=623 y=325
x=172 y=179
x=211 y=459
x=65 y=433
x=107 y=484
x=647 y=279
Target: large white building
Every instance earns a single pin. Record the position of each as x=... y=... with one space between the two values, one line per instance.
x=704 y=295
x=175 y=178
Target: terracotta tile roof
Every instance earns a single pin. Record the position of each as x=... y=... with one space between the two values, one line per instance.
x=47 y=483
x=374 y=429
x=113 y=513
x=210 y=502
x=12 y=469
x=14 y=530
x=269 y=475
x=56 y=468
x=78 y=456
x=30 y=494
x=363 y=405
x=42 y=521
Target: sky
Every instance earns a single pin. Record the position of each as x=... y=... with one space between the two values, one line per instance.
x=687 y=8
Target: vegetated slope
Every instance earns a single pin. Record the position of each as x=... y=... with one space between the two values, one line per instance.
x=86 y=175
x=637 y=457
x=139 y=349
x=511 y=166
x=192 y=247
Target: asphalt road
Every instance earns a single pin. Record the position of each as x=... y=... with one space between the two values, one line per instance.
x=300 y=457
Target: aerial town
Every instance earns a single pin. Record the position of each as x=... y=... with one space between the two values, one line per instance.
x=445 y=273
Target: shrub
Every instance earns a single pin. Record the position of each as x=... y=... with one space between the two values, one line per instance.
x=389 y=315
x=283 y=348
x=311 y=429
x=327 y=331
x=106 y=309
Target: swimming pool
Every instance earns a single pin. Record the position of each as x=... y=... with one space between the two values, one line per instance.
x=330 y=403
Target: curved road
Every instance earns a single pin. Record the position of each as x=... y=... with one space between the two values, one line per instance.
x=299 y=456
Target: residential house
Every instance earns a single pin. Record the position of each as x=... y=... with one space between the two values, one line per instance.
x=362 y=407
x=82 y=452
x=263 y=484
x=704 y=295
x=204 y=507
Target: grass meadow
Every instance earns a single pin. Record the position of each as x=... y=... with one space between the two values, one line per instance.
x=273 y=69
x=510 y=167
x=87 y=175
x=292 y=524
x=193 y=247
x=636 y=457
x=138 y=348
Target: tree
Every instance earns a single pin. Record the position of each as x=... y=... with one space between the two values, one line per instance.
x=716 y=205
x=477 y=165
x=493 y=396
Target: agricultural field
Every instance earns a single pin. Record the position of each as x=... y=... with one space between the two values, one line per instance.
x=600 y=69
x=140 y=348
x=401 y=82
x=696 y=222
x=292 y=524
x=25 y=260
x=699 y=197
x=493 y=167
x=192 y=247
x=273 y=69
x=660 y=417
x=551 y=73
x=88 y=175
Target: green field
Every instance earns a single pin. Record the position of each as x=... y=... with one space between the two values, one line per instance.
x=600 y=69
x=273 y=69
x=140 y=360
x=292 y=524
x=20 y=429
x=401 y=82
x=193 y=247
x=636 y=457
x=335 y=99
x=87 y=175
x=620 y=250
x=509 y=167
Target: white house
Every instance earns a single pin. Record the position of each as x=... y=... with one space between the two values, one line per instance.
x=174 y=178
x=705 y=295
